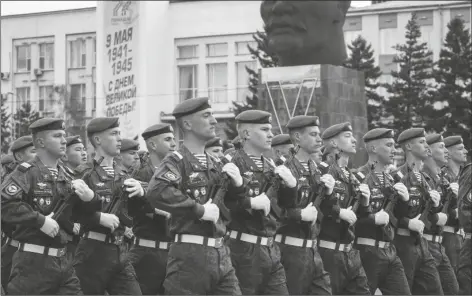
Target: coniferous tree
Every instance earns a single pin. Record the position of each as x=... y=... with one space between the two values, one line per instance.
x=361 y=58
x=452 y=96
x=408 y=104
x=267 y=60
x=6 y=125
x=24 y=117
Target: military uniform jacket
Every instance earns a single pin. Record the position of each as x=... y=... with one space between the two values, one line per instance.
x=32 y=192
x=254 y=221
x=465 y=199
x=453 y=217
x=181 y=185
x=8 y=229
x=147 y=224
x=365 y=226
x=417 y=201
x=292 y=224
x=332 y=228
x=107 y=188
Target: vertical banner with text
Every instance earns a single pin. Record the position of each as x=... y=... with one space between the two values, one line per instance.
x=120 y=61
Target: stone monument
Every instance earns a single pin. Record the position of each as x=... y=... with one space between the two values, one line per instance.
x=308 y=39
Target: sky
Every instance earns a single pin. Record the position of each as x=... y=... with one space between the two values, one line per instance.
x=21 y=7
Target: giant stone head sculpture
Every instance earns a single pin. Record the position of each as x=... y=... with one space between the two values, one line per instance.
x=306 y=32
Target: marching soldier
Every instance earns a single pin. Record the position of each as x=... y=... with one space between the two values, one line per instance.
x=8 y=165
x=464 y=271
x=317 y=156
x=452 y=234
x=253 y=252
x=29 y=196
x=281 y=145
x=412 y=247
x=151 y=243
x=340 y=259
x=437 y=158
x=22 y=150
x=375 y=232
x=214 y=147
x=99 y=258
x=199 y=261
x=297 y=236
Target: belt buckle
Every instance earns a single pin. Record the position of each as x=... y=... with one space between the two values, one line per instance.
x=270 y=241
x=61 y=252
x=346 y=248
x=218 y=242
x=118 y=240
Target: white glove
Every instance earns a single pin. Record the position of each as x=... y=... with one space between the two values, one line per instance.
x=329 y=182
x=128 y=232
x=455 y=188
x=82 y=190
x=133 y=187
x=364 y=189
x=435 y=197
x=212 y=212
x=348 y=215
x=402 y=191
x=109 y=221
x=309 y=214
x=286 y=176
x=416 y=225
x=381 y=218
x=442 y=219
x=233 y=172
x=261 y=202
x=50 y=226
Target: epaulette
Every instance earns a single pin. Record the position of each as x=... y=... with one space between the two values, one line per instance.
x=24 y=167
x=82 y=168
x=176 y=156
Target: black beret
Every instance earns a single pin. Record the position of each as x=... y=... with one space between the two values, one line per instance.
x=378 y=133
x=128 y=144
x=47 y=124
x=215 y=142
x=73 y=140
x=254 y=117
x=282 y=139
x=190 y=106
x=157 y=129
x=6 y=159
x=434 y=138
x=453 y=140
x=302 y=121
x=411 y=133
x=336 y=129
x=101 y=124
x=21 y=143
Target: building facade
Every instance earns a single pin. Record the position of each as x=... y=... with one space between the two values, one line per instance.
x=195 y=48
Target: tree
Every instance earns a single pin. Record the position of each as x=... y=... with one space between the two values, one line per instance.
x=266 y=60
x=361 y=58
x=452 y=95
x=24 y=117
x=408 y=104
x=5 y=125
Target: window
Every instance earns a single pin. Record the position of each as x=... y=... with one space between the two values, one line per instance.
x=217 y=82
x=388 y=40
x=350 y=36
x=45 y=93
x=187 y=82
x=217 y=50
x=77 y=97
x=188 y=51
x=22 y=96
x=46 y=56
x=77 y=53
x=94 y=51
x=242 y=79
x=94 y=96
x=241 y=47
x=387 y=79
x=427 y=35
x=23 y=58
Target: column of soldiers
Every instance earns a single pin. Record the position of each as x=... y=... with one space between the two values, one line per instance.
x=201 y=220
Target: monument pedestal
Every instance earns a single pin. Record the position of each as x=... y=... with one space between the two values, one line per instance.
x=333 y=93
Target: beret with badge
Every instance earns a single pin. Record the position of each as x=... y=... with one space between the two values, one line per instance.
x=157 y=129
x=47 y=124
x=378 y=133
x=452 y=141
x=128 y=144
x=336 y=129
x=409 y=134
x=215 y=142
x=190 y=106
x=101 y=124
x=282 y=139
x=302 y=121
x=73 y=140
x=434 y=138
x=21 y=143
x=254 y=117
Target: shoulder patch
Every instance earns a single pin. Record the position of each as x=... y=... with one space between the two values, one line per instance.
x=12 y=188
x=24 y=167
x=170 y=176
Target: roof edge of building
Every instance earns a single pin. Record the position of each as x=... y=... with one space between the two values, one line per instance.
x=74 y=10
